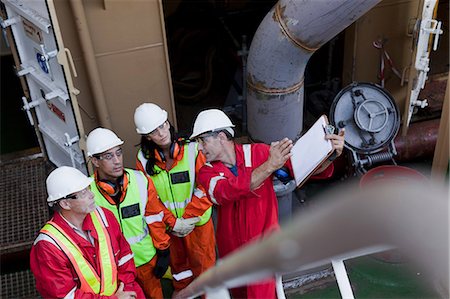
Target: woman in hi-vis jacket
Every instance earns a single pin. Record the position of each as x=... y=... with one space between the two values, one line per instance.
x=184 y=227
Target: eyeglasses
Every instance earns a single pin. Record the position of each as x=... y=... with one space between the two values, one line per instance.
x=79 y=194
x=155 y=131
x=201 y=139
x=110 y=156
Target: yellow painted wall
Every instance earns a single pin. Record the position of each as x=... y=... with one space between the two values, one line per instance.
x=130 y=48
x=390 y=21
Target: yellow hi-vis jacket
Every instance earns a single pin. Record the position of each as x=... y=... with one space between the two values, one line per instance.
x=104 y=283
x=130 y=215
x=176 y=186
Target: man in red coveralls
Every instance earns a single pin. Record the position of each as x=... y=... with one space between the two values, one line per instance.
x=81 y=252
x=238 y=180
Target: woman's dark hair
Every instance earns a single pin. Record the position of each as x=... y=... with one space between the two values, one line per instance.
x=148 y=150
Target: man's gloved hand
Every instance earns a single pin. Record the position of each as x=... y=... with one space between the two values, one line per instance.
x=162 y=262
x=184 y=227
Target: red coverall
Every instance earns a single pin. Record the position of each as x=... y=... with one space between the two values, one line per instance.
x=196 y=251
x=244 y=215
x=54 y=273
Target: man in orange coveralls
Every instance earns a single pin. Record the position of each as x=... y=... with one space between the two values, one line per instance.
x=81 y=252
x=239 y=181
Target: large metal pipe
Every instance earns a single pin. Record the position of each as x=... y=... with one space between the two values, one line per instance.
x=91 y=63
x=285 y=40
x=419 y=142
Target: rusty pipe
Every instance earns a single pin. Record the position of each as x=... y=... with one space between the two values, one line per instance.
x=419 y=142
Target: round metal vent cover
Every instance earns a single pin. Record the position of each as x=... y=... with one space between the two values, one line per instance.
x=369 y=115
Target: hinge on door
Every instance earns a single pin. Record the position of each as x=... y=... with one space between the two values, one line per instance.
x=5 y=38
x=43 y=81
x=55 y=93
x=8 y=22
x=24 y=70
x=69 y=142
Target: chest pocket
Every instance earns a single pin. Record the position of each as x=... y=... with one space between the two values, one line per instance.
x=130 y=211
x=179 y=177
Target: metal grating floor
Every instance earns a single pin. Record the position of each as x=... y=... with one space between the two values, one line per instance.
x=23 y=200
x=18 y=285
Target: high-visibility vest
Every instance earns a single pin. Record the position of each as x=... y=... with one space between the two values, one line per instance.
x=176 y=186
x=130 y=215
x=103 y=283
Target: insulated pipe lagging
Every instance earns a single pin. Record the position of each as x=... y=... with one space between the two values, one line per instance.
x=285 y=40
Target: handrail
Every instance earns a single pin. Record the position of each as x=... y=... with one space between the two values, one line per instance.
x=346 y=224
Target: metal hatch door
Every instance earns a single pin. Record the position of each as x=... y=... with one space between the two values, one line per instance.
x=44 y=65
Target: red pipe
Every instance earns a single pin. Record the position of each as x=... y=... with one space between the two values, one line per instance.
x=419 y=142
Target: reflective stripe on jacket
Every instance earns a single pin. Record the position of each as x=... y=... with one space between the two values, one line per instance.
x=176 y=186
x=130 y=214
x=104 y=283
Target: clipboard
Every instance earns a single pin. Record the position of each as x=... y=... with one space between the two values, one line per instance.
x=310 y=151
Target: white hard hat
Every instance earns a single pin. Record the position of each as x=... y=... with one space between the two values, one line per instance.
x=212 y=120
x=148 y=117
x=64 y=181
x=100 y=140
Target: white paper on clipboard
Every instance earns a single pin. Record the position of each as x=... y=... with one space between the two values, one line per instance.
x=310 y=151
